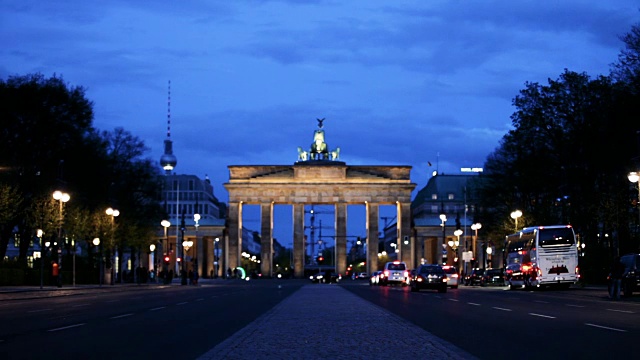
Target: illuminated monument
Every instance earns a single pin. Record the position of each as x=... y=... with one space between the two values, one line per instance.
x=318 y=178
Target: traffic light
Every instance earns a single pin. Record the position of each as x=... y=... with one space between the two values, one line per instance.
x=167 y=259
x=320 y=259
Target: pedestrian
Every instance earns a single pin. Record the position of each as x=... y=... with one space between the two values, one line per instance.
x=617 y=271
x=228 y=273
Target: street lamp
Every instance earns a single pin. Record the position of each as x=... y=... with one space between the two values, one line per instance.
x=454 y=244
x=215 y=257
x=113 y=213
x=489 y=252
x=475 y=227
x=634 y=177
x=61 y=197
x=165 y=224
x=196 y=219
x=152 y=251
x=515 y=215
x=39 y=235
x=96 y=242
x=443 y=218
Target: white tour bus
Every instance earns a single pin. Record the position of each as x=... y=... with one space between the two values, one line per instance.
x=548 y=255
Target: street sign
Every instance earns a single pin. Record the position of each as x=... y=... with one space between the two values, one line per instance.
x=467 y=256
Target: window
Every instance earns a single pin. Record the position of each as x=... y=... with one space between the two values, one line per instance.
x=451 y=197
x=434 y=196
x=434 y=209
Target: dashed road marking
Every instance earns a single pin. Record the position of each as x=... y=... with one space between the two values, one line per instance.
x=578 y=306
x=158 y=308
x=120 y=316
x=501 y=309
x=605 y=327
x=65 y=327
x=621 y=311
x=474 y=304
x=542 y=316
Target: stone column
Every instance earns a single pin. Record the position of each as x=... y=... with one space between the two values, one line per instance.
x=298 y=241
x=372 y=236
x=200 y=259
x=404 y=233
x=341 y=238
x=266 y=241
x=208 y=267
x=234 y=246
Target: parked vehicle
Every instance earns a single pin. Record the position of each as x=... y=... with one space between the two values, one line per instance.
x=492 y=277
x=360 y=276
x=429 y=277
x=453 y=277
x=474 y=277
x=514 y=276
x=395 y=272
x=631 y=277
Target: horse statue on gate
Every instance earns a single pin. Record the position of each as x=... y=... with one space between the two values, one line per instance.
x=319 y=149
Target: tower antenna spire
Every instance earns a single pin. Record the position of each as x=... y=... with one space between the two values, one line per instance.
x=168 y=161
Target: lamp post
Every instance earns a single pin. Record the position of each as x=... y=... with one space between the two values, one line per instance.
x=634 y=177
x=196 y=219
x=165 y=224
x=443 y=219
x=96 y=243
x=39 y=235
x=475 y=227
x=113 y=213
x=515 y=215
x=454 y=245
x=489 y=252
x=152 y=263
x=62 y=198
x=215 y=257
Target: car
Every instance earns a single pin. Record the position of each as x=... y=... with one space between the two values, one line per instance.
x=325 y=277
x=359 y=276
x=430 y=276
x=514 y=277
x=631 y=277
x=374 y=279
x=474 y=277
x=492 y=277
x=452 y=276
x=394 y=272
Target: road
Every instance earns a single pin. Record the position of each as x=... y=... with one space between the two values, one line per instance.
x=185 y=322
x=492 y=322
x=173 y=322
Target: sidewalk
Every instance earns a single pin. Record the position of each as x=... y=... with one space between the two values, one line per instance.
x=329 y=322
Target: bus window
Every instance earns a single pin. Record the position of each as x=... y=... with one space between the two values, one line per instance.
x=556 y=237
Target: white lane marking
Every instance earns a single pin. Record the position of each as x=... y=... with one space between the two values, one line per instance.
x=182 y=303
x=541 y=302
x=120 y=316
x=605 y=327
x=578 y=306
x=543 y=316
x=158 y=308
x=502 y=309
x=453 y=300
x=475 y=304
x=79 y=305
x=199 y=299
x=621 y=311
x=65 y=327
x=39 y=310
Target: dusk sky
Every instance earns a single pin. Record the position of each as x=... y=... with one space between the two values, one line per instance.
x=398 y=82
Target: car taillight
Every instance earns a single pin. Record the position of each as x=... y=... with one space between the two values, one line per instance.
x=577 y=270
x=454 y=276
x=386 y=273
x=526 y=268
x=406 y=274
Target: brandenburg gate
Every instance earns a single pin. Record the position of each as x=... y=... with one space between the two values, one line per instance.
x=318 y=177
